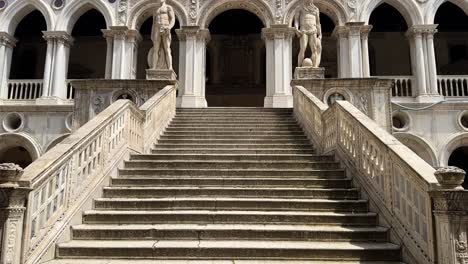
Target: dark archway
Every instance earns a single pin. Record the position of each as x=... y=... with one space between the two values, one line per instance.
x=236 y=75
x=389 y=50
x=28 y=59
x=451 y=43
x=88 y=52
x=459 y=158
x=17 y=155
x=329 y=48
x=146 y=44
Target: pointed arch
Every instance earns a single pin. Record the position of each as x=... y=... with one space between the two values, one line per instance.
x=73 y=11
x=17 y=10
x=407 y=8
x=333 y=9
x=212 y=9
x=144 y=9
x=434 y=7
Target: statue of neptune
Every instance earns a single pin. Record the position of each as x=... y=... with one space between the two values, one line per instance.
x=309 y=30
x=163 y=22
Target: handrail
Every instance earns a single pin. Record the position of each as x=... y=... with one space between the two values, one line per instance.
x=64 y=178
x=397 y=180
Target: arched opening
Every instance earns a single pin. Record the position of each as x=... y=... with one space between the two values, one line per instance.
x=29 y=54
x=18 y=155
x=88 y=52
x=146 y=44
x=329 y=48
x=459 y=158
x=236 y=75
x=451 y=43
x=389 y=51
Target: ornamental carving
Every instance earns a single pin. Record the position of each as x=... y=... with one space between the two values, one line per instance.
x=461 y=248
x=122 y=11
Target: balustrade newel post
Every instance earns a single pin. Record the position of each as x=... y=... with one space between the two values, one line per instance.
x=12 y=212
x=450 y=209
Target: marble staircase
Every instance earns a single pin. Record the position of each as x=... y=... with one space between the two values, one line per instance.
x=230 y=185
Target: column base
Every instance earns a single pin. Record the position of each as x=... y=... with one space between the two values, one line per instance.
x=191 y=102
x=160 y=74
x=49 y=100
x=429 y=98
x=302 y=73
x=279 y=101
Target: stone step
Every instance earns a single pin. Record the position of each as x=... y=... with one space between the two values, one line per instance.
x=234 y=110
x=234 y=165
x=239 y=151
x=233 y=137
x=232 y=191
x=214 y=249
x=203 y=141
x=236 y=117
x=245 y=129
x=218 y=261
x=234 y=232
x=234 y=133
x=228 y=217
x=230 y=203
x=332 y=174
x=201 y=145
x=210 y=181
x=227 y=126
x=256 y=122
x=234 y=157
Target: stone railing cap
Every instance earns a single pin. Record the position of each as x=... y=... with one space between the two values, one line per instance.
x=450 y=177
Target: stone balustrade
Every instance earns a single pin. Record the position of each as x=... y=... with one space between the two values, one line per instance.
x=24 y=89
x=402 y=86
x=54 y=189
x=453 y=85
x=400 y=185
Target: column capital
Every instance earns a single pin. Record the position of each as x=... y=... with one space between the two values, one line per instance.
x=7 y=40
x=280 y=31
x=118 y=32
x=193 y=32
x=419 y=30
x=340 y=32
x=354 y=28
x=59 y=36
x=365 y=30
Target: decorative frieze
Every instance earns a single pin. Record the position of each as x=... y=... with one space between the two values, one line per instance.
x=278 y=32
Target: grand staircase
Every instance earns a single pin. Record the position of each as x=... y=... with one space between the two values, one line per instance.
x=230 y=185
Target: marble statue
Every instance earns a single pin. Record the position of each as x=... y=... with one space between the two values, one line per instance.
x=163 y=21
x=309 y=30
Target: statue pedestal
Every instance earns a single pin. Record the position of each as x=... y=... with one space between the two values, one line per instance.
x=160 y=74
x=302 y=73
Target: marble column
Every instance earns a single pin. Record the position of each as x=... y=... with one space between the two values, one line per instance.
x=341 y=34
x=56 y=67
x=415 y=36
x=278 y=42
x=7 y=43
x=429 y=32
x=355 y=49
x=192 y=66
x=121 y=45
x=365 y=50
